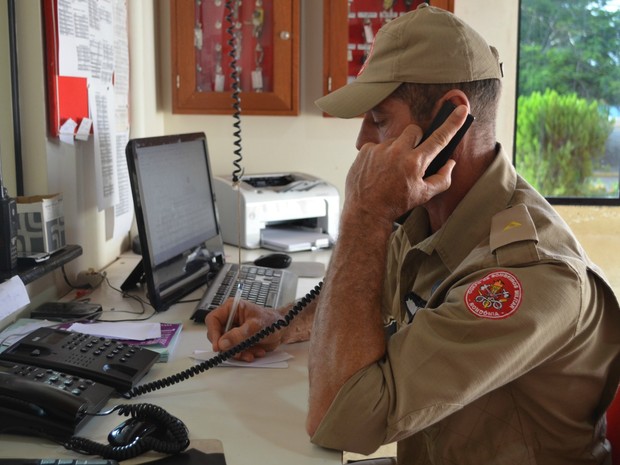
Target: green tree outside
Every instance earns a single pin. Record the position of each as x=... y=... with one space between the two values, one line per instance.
x=571 y=47
x=569 y=77
x=560 y=138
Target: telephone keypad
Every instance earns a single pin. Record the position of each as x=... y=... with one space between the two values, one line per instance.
x=73 y=384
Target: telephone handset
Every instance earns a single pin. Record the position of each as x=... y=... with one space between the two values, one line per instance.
x=45 y=402
x=442 y=157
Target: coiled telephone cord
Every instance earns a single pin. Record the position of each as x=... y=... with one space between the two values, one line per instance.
x=236 y=90
x=171 y=437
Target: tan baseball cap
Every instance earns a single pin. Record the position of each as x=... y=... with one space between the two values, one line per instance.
x=425 y=46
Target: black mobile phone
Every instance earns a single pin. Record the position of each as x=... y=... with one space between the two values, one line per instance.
x=63 y=311
x=442 y=157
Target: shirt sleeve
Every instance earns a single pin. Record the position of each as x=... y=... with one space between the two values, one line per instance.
x=390 y=283
x=451 y=355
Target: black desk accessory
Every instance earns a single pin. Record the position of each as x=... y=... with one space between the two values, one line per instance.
x=87 y=461
x=67 y=311
x=8 y=228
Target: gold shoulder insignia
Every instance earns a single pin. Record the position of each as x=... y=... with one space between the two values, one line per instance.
x=512 y=225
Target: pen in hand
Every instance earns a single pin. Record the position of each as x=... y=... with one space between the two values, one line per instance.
x=235 y=306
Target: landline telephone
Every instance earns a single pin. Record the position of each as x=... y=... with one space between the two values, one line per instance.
x=51 y=379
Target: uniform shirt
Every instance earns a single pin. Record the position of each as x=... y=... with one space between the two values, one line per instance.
x=508 y=340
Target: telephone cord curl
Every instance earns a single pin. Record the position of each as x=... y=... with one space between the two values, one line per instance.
x=236 y=90
x=172 y=435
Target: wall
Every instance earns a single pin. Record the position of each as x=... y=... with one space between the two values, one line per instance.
x=308 y=142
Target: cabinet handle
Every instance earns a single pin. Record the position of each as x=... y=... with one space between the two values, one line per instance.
x=285 y=35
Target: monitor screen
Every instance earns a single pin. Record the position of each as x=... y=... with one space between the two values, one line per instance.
x=176 y=215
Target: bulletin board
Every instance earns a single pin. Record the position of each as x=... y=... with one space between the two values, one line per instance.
x=67 y=96
x=87 y=80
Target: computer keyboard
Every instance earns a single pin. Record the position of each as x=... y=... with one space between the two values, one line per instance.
x=260 y=285
x=57 y=462
x=267 y=287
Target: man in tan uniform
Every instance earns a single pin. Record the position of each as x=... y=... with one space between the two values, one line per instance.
x=506 y=338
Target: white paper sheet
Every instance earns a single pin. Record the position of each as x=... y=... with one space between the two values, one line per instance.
x=101 y=104
x=275 y=359
x=132 y=331
x=13 y=296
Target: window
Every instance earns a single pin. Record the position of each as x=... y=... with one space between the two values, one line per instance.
x=567 y=134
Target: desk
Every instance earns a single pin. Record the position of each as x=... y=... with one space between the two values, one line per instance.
x=258 y=414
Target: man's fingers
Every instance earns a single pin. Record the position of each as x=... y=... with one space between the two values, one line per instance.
x=444 y=133
x=216 y=322
x=409 y=138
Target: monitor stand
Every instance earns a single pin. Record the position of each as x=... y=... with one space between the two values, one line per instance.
x=134 y=278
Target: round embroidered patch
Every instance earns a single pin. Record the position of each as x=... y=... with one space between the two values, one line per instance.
x=496 y=296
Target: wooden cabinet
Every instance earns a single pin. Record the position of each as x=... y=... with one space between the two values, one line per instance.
x=228 y=53
x=350 y=26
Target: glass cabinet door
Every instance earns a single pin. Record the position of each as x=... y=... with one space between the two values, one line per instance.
x=350 y=27
x=224 y=48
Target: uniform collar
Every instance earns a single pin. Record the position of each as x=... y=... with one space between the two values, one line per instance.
x=470 y=223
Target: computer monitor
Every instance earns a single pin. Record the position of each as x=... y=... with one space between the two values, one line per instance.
x=176 y=216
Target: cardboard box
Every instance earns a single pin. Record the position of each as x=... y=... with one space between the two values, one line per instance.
x=41 y=224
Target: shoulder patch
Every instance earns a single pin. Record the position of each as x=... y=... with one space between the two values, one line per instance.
x=496 y=296
x=512 y=225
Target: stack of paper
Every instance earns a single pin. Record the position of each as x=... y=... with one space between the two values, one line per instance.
x=165 y=344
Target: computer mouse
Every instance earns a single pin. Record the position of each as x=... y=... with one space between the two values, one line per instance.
x=130 y=430
x=274 y=260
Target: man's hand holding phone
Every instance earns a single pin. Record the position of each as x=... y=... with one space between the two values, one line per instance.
x=390 y=178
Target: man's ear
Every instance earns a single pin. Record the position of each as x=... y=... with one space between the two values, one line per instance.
x=456 y=96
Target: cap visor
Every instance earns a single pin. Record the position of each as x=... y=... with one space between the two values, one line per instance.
x=355 y=98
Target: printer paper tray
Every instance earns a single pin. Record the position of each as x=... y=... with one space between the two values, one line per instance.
x=293 y=239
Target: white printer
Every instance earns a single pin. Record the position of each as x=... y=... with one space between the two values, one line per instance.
x=282 y=211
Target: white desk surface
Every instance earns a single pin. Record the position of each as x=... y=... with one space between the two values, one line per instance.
x=257 y=413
